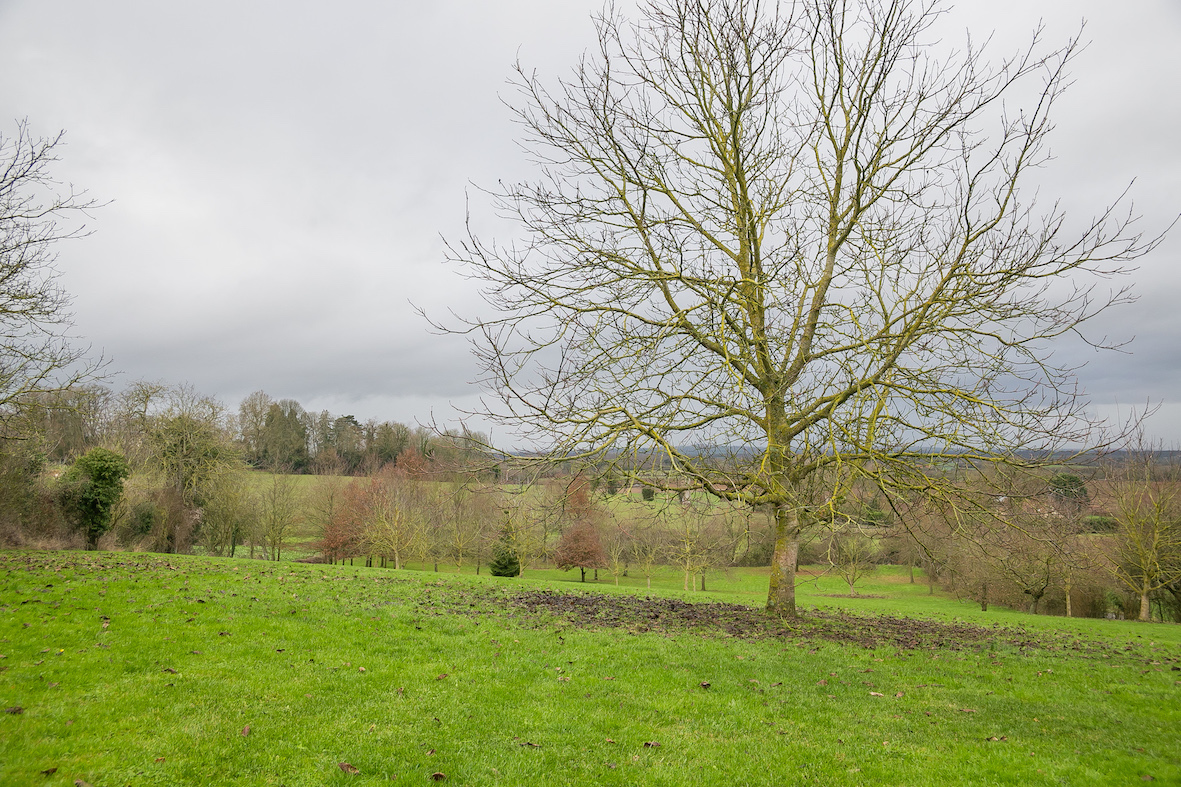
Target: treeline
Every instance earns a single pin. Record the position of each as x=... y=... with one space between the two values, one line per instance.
x=269 y=434
x=187 y=458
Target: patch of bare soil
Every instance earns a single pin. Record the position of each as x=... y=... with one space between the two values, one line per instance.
x=850 y=595
x=641 y=614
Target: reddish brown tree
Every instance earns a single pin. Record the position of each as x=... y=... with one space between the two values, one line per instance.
x=343 y=529
x=580 y=548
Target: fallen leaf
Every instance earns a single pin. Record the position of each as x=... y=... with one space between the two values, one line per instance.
x=899 y=694
x=80 y=783
x=49 y=771
x=170 y=670
x=705 y=684
x=349 y=769
x=530 y=744
x=360 y=669
x=438 y=776
x=441 y=677
x=245 y=730
x=14 y=710
x=609 y=677
x=159 y=759
x=971 y=710
x=876 y=694
x=610 y=741
x=651 y=745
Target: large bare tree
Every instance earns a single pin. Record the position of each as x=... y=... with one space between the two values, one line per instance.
x=784 y=244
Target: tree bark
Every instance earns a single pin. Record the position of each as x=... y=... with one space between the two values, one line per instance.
x=1145 y=606
x=781 y=593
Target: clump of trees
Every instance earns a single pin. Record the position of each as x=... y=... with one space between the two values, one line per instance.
x=280 y=435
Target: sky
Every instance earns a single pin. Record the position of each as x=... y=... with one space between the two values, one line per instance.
x=280 y=177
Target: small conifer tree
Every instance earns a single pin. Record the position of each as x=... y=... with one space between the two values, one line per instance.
x=504 y=562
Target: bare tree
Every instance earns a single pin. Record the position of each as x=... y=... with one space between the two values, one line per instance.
x=792 y=236
x=229 y=513
x=278 y=512
x=252 y=418
x=37 y=211
x=851 y=554
x=618 y=543
x=392 y=529
x=1147 y=512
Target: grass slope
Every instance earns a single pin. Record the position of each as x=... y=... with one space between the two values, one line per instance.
x=132 y=669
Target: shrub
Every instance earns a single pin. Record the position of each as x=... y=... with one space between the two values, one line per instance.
x=91 y=488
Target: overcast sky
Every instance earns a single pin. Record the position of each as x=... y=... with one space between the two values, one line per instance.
x=280 y=175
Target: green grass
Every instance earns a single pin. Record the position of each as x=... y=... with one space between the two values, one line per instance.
x=460 y=680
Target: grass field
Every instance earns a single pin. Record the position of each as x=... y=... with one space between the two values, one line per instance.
x=159 y=669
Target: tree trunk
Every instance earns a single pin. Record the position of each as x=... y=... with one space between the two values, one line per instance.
x=781 y=592
x=703 y=580
x=583 y=570
x=1145 y=606
x=1067 y=583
